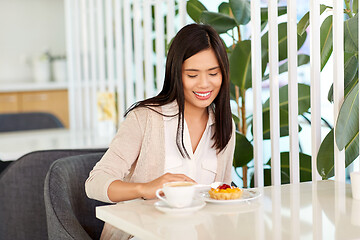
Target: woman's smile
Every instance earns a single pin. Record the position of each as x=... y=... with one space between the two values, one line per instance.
x=203 y=95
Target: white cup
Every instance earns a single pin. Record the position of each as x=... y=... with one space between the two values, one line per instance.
x=355 y=184
x=177 y=194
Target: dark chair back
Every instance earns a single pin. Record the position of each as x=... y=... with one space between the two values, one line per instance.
x=28 y=121
x=22 y=207
x=70 y=213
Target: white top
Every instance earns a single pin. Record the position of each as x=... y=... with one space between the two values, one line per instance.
x=203 y=162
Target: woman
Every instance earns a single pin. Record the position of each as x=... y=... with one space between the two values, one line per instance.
x=185 y=133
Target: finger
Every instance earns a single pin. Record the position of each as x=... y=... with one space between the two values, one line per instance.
x=181 y=177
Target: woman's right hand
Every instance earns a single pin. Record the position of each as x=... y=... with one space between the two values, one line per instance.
x=148 y=189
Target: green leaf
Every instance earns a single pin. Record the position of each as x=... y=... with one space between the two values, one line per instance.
x=224 y=8
x=302 y=60
x=243 y=151
x=284 y=124
x=351 y=35
x=303 y=99
x=264 y=12
x=304 y=165
x=241 y=11
x=240 y=65
x=347 y=124
x=326 y=36
x=325 y=158
x=220 y=22
x=355 y=6
x=350 y=74
x=267 y=178
x=282 y=29
x=305 y=22
x=236 y=119
x=194 y=9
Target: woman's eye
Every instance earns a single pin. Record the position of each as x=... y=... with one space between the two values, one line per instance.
x=213 y=74
x=192 y=76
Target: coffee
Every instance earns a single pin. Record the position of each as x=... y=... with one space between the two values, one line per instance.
x=180 y=184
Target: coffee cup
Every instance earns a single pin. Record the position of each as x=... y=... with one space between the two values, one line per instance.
x=355 y=184
x=177 y=194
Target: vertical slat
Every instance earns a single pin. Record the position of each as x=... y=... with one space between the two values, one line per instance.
x=69 y=10
x=317 y=213
x=85 y=64
x=170 y=29
x=149 y=72
x=78 y=78
x=338 y=35
x=119 y=60
x=276 y=213
x=315 y=85
x=182 y=12
x=160 y=48
x=110 y=46
x=357 y=161
x=101 y=45
x=274 y=93
x=295 y=207
x=293 y=92
x=128 y=54
x=138 y=51
x=256 y=85
x=92 y=36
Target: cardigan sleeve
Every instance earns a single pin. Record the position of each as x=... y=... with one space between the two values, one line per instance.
x=118 y=159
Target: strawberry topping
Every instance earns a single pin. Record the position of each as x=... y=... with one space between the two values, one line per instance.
x=224 y=186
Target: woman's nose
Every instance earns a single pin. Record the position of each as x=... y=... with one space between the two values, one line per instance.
x=203 y=80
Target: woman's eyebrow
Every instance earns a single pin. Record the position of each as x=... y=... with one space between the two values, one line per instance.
x=197 y=70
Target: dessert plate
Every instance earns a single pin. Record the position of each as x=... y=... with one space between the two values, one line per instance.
x=248 y=194
x=196 y=205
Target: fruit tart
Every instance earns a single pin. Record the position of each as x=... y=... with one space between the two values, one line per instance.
x=225 y=192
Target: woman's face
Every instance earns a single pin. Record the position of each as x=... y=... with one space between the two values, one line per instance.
x=202 y=78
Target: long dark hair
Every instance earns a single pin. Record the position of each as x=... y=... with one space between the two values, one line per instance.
x=190 y=40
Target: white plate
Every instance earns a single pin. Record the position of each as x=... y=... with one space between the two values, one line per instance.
x=248 y=194
x=195 y=206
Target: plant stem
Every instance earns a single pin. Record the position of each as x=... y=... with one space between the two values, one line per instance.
x=243 y=116
x=348 y=9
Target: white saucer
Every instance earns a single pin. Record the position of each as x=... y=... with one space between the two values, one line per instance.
x=196 y=205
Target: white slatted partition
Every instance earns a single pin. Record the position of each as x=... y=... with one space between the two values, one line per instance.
x=256 y=85
x=110 y=57
x=338 y=37
x=293 y=92
x=274 y=93
x=315 y=84
x=110 y=50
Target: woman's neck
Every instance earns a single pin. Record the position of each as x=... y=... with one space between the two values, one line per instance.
x=191 y=114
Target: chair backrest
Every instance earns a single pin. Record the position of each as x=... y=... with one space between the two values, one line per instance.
x=22 y=207
x=70 y=213
x=28 y=121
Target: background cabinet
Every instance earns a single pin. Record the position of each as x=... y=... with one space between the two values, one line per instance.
x=52 y=101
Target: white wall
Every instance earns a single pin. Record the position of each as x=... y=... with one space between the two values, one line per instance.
x=27 y=27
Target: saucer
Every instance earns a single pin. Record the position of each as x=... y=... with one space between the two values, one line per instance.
x=196 y=205
x=248 y=194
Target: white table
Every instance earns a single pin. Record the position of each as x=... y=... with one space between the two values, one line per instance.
x=15 y=144
x=323 y=210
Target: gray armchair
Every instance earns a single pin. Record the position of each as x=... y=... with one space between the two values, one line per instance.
x=70 y=213
x=22 y=207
